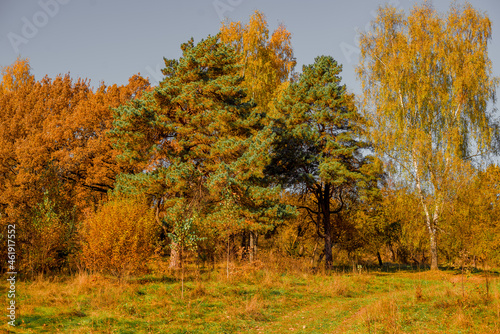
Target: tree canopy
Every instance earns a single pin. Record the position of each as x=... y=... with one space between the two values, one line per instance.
x=427 y=81
x=197 y=141
x=233 y=152
x=318 y=151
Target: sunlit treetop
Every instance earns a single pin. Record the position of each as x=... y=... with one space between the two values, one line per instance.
x=428 y=80
x=268 y=61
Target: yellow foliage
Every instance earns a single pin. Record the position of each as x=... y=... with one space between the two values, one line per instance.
x=427 y=81
x=267 y=62
x=120 y=237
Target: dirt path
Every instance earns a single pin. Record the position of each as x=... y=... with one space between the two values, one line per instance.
x=335 y=315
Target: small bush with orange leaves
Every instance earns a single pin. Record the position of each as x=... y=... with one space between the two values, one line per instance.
x=120 y=237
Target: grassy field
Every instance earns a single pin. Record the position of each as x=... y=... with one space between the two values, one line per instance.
x=259 y=299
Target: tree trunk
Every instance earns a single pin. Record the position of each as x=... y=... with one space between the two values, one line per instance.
x=431 y=225
x=174 y=256
x=244 y=244
x=227 y=258
x=393 y=253
x=431 y=222
x=251 y=248
x=328 y=252
x=314 y=252
x=327 y=228
x=434 y=252
x=380 y=263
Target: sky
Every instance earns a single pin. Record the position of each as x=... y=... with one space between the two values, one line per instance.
x=111 y=40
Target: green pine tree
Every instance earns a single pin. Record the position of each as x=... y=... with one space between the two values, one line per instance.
x=317 y=152
x=197 y=142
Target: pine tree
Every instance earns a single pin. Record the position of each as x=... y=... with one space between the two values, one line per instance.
x=317 y=151
x=198 y=143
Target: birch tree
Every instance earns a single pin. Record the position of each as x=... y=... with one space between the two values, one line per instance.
x=267 y=60
x=427 y=83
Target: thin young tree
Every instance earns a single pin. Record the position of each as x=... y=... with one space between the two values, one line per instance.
x=266 y=60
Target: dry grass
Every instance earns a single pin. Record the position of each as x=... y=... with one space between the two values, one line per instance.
x=254 y=308
x=383 y=315
x=257 y=296
x=419 y=296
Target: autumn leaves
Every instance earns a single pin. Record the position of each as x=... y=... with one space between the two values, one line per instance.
x=427 y=84
x=56 y=160
x=232 y=144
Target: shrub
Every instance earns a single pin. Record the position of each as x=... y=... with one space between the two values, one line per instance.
x=120 y=237
x=49 y=235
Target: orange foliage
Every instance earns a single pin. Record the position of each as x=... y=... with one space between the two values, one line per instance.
x=52 y=141
x=119 y=237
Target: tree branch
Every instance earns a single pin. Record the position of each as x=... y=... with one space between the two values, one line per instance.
x=310 y=214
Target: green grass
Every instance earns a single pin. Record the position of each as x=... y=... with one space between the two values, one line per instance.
x=262 y=300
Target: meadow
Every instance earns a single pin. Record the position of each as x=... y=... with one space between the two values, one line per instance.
x=263 y=297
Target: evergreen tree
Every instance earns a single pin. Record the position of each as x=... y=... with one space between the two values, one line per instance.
x=316 y=151
x=198 y=143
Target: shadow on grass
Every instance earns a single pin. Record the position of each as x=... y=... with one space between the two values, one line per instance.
x=153 y=279
x=77 y=319
x=396 y=267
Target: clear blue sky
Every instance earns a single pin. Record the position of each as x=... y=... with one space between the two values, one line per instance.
x=110 y=40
